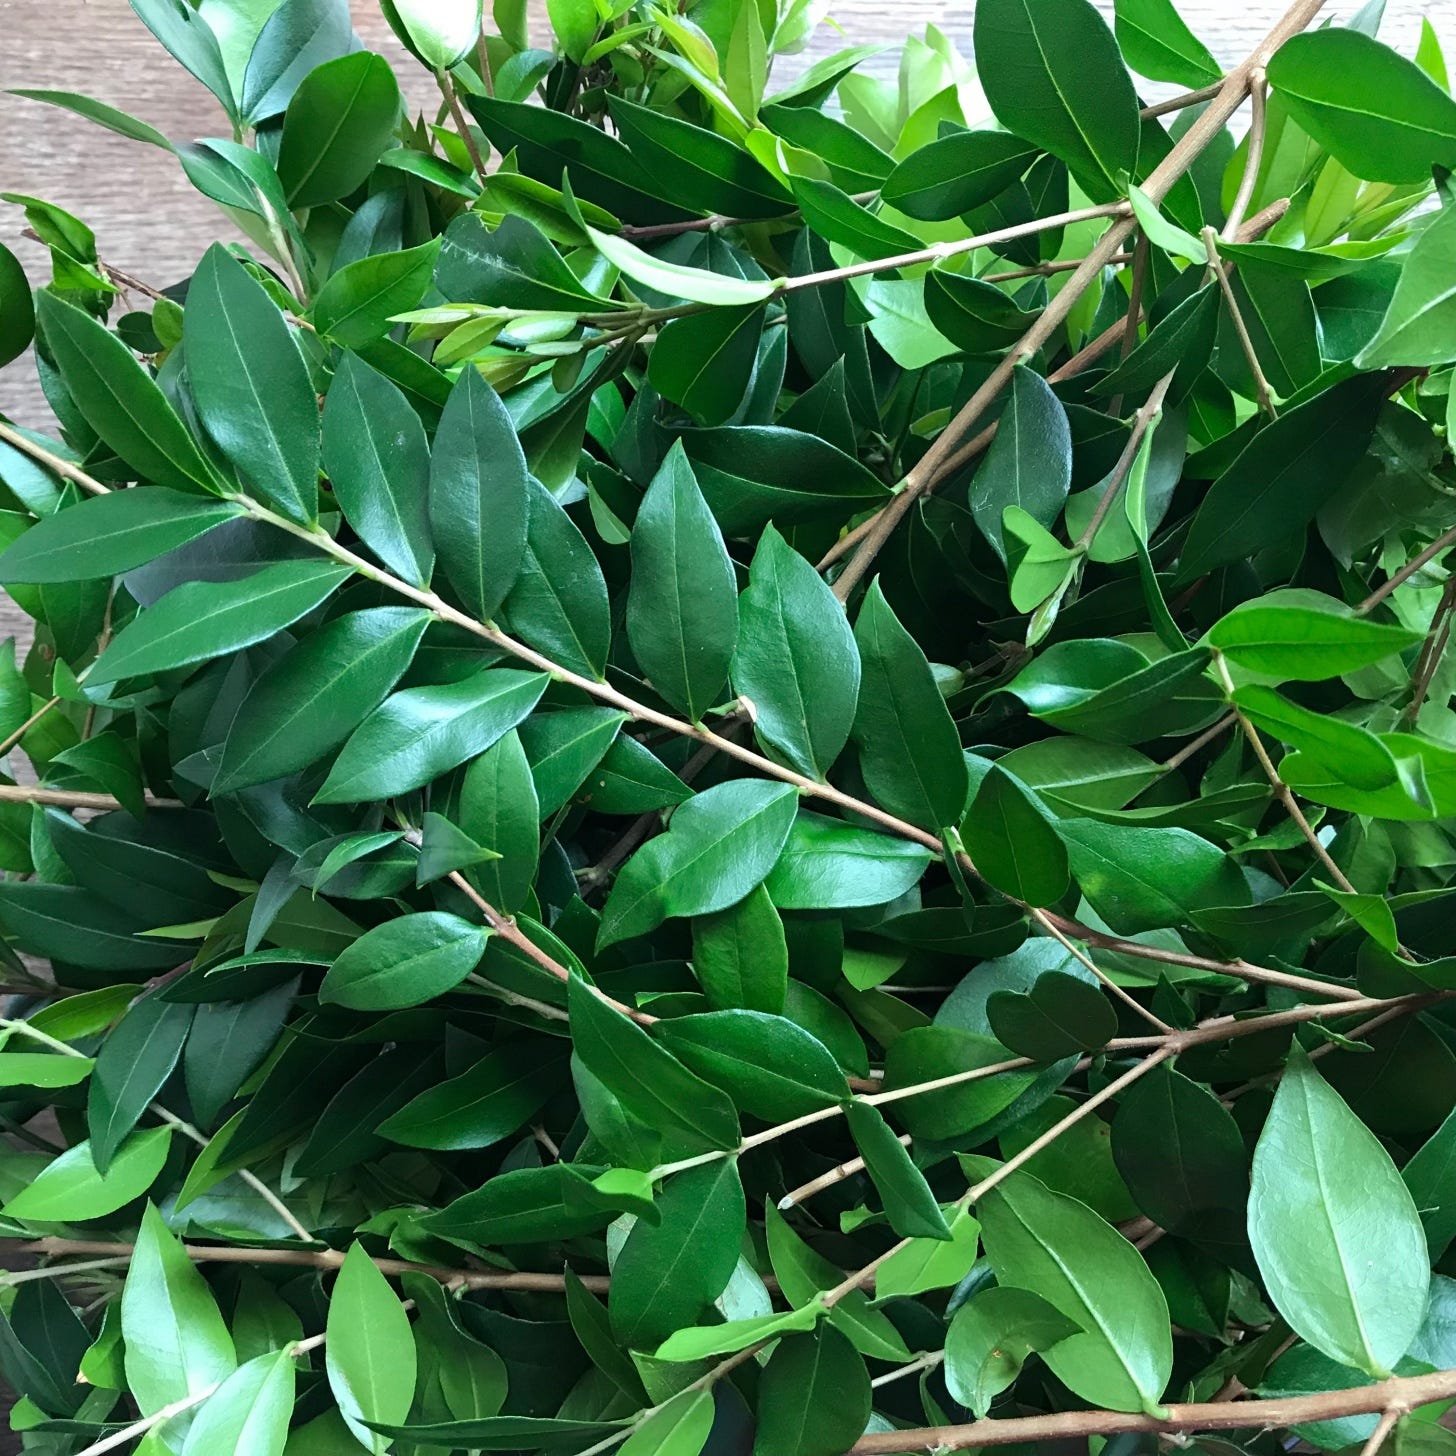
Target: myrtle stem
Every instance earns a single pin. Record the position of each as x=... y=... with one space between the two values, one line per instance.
x=452 y=100
x=1264 y=394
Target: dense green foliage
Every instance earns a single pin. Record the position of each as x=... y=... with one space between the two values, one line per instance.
x=737 y=771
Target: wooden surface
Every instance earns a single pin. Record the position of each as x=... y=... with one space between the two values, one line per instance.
x=151 y=223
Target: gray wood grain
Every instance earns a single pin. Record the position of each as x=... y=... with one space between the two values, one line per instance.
x=151 y=223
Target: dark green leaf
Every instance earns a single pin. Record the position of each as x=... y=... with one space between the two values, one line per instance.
x=814 y=1397
x=405 y=962
x=337 y=123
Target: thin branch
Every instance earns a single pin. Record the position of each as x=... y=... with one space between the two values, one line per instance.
x=1182 y=756
x=72 y=798
x=1183 y=102
x=1144 y=421
x=1108 y=984
x=1282 y=790
x=452 y=100
x=325 y=1259
x=1445 y=539
x=1383 y=1427
x=1399 y=1393
x=1254 y=157
x=1261 y=383
x=1433 y=649
x=12 y=739
x=1134 y=308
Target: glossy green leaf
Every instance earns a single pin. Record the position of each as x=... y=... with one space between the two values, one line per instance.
x=1059 y=1249
x=650 y=1082
x=910 y=752
x=1158 y=44
x=176 y=1342
x=1014 y=847
x=704 y=362
x=910 y=1206
x=796 y=658
x=198 y=620
x=1305 y=638
x=337 y=123
x=370 y=1354
x=119 y=399
x=1053 y=75
x=420 y=733
x=740 y=955
x=718 y=846
x=1372 y=109
x=441 y=35
x=1029 y=463
x=71 y=1188
x=131 y=1067
x=17 y=310
x=1416 y=328
x=478 y=496
x=669 y=1272
x=930 y=1263
x=991 y=1337
x=313 y=698
x=814 y=1396
x=251 y=385
x=249 y=1412
x=827 y=865
x=682 y=611
x=109 y=534
x=1335 y=1231
x=405 y=961
x=1060 y=1016
x=956 y=173
x=770 y=1067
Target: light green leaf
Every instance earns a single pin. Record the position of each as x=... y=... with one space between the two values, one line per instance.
x=370 y=1354
x=249 y=1413
x=990 y=1338
x=70 y=1189
x=1334 y=1229
x=405 y=961
x=677 y=280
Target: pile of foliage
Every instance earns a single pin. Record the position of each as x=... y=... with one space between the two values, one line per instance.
x=712 y=769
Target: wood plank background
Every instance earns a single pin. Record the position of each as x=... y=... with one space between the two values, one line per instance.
x=151 y=223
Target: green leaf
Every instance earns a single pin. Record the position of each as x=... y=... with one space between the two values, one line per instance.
x=441 y=35
x=1428 y=1176
x=106 y=535
x=1029 y=463
x=677 y=280
x=42 y=1069
x=311 y=699
x=478 y=496
x=1182 y=342
x=70 y=1189
x=829 y=865
x=1377 y=113
x=1141 y=879
x=202 y=619
x=529 y=1205
x=975 y=316
x=191 y=42
x=420 y=733
x=1305 y=638
x=718 y=846
x=498 y=810
x=251 y=384
x=564 y=748
x=685 y=1346
x=929 y=1053
x=370 y=1354
x=650 y=1082
x=119 y=399
x=176 y=1342
x=682 y=609
x=909 y=1204
x=405 y=962
x=667 y=1274
x=910 y=752
x=1060 y=1016
x=1013 y=845
x=705 y=362
x=1059 y=1249
x=772 y=1068
x=1363 y=759
x=1053 y=74
x=934 y=1263
x=339 y=121
x=1416 y=328
x=1334 y=1229
x=481 y=1106
x=249 y=1413
x=814 y=1396
x=133 y=1063
x=17 y=309
x=356 y=304
x=1158 y=44
x=990 y=1339
x=378 y=464
x=796 y=659
x=1181 y=1154
x=559 y=601
x=740 y=955
x=956 y=173
x=102 y=114
x=678 y=1428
